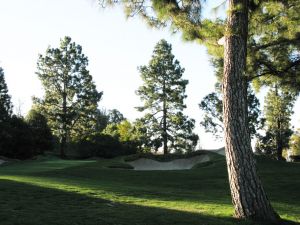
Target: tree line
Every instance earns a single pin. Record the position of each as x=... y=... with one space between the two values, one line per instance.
x=68 y=119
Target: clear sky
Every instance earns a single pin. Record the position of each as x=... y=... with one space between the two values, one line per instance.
x=115 y=48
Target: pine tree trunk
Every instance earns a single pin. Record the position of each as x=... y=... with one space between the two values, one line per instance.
x=165 y=138
x=279 y=144
x=62 y=147
x=248 y=196
x=165 y=135
x=64 y=127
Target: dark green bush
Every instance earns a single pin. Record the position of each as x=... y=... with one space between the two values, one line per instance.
x=16 y=139
x=22 y=140
x=41 y=134
x=102 y=145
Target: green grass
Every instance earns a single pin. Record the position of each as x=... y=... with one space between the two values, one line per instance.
x=49 y=191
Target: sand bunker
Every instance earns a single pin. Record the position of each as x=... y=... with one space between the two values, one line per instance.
x=177 y=164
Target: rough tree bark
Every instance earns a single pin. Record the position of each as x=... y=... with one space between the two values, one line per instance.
x=248 y=196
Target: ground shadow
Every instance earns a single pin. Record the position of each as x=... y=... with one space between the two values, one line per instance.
x=24 y=204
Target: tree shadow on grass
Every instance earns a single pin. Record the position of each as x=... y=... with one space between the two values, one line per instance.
x=25 y=204
x=193 y=187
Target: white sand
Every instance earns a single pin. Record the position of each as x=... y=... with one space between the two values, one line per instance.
x=177 y=164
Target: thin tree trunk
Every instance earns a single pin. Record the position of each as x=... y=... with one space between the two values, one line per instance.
x=165 y=136
x=62 y=147
x=248 y=196
x=279 y=145
x=64 y=127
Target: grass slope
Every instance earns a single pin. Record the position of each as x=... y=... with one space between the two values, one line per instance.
x=70 y=192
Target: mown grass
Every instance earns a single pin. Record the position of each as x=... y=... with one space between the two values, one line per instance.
x=74 y=192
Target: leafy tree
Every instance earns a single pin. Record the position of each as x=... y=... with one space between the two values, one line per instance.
x=186 y=17
x=71 y=98
x=105 y=118
x=126 y=133
x=41 y=133
x=212 y=121
x=278 y=110
x=5 y=101
x=115 y=116
x=295 y=143
x=102 y=120
x=163 y=93
x=122 y=130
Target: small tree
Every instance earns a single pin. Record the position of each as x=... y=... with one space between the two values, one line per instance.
x=71 y=99
x=163 y=94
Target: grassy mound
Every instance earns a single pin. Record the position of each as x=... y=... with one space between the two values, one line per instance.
x=87 y=192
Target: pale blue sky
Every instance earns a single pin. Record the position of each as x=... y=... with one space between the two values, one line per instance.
x=115 y=48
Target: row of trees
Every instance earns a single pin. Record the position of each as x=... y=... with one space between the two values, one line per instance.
x=69 y=107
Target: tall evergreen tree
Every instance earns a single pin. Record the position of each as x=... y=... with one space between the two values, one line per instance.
x=5 y=101
x=71 y=98
x=278 y=110
x=248 y=195
x=163 y=93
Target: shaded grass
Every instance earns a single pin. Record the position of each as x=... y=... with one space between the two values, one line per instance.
x=87 y=192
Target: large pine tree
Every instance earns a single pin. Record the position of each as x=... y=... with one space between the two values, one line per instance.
x=71 y=98
x=163 y=93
